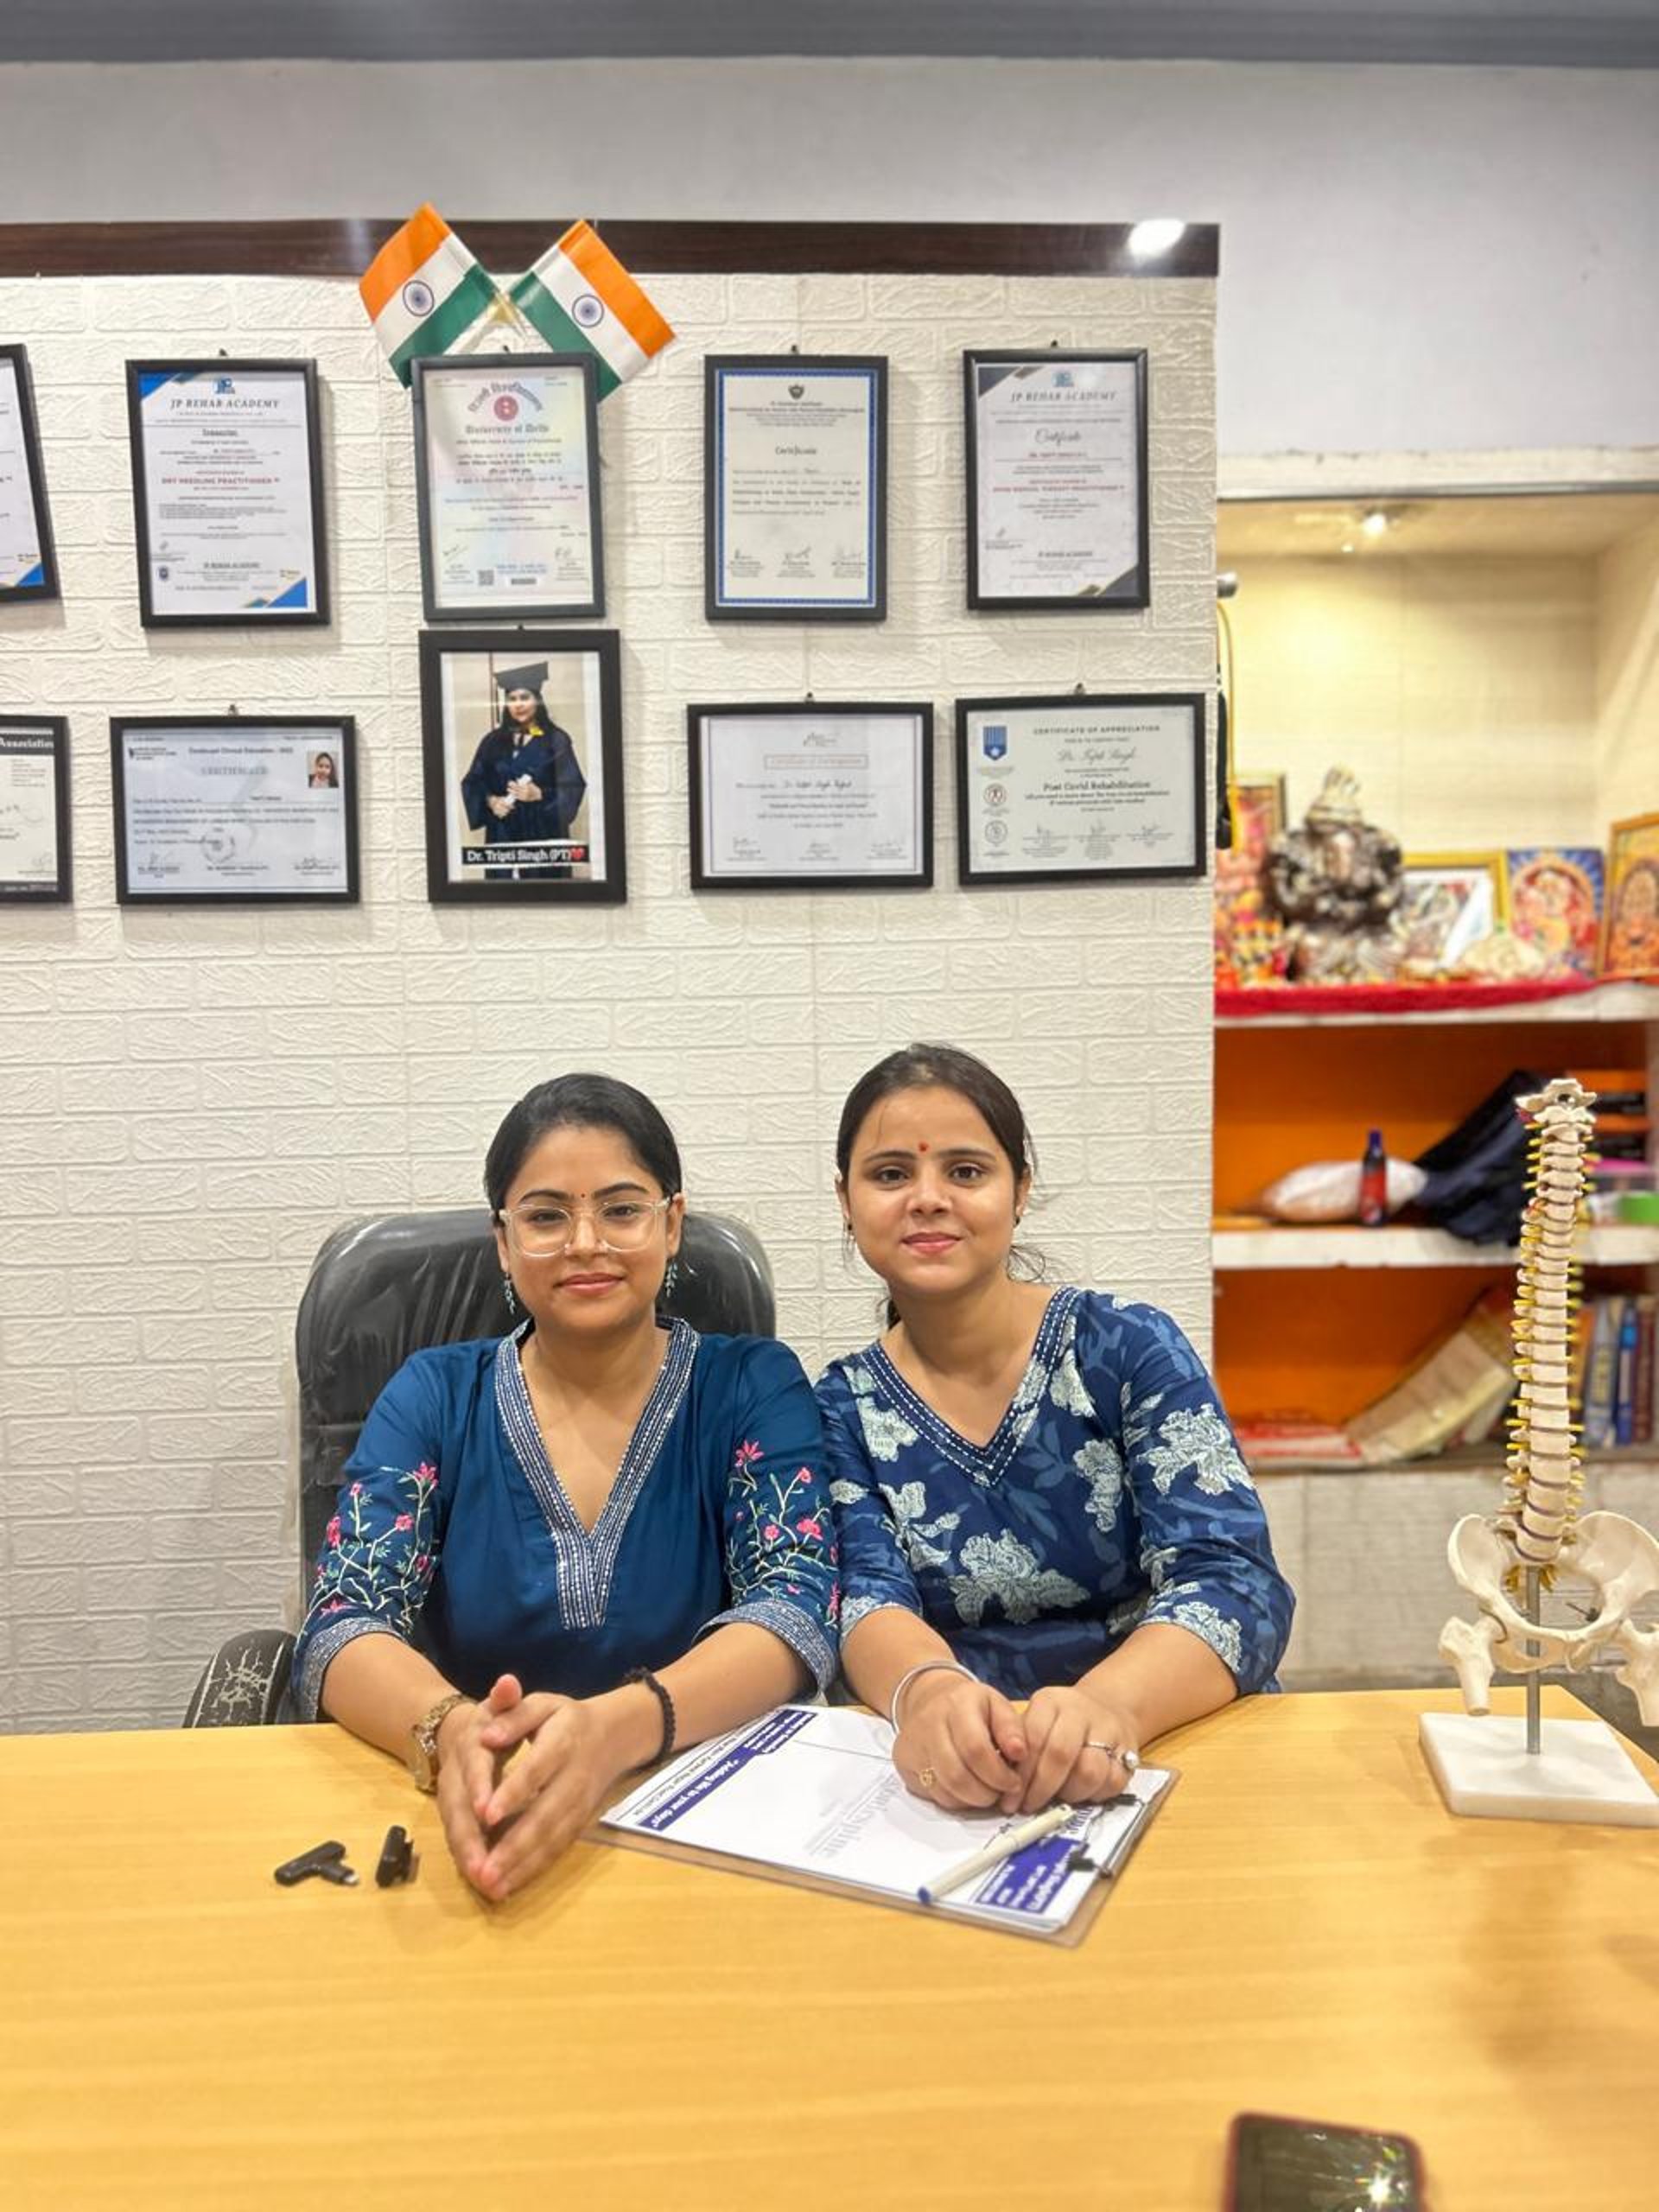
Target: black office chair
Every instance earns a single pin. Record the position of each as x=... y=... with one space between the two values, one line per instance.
x=381 y=1289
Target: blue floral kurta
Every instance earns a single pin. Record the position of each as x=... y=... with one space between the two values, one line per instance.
x=453 y=1532
x=1112 y=1494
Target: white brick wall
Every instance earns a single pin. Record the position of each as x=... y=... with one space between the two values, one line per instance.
x=190 y=1100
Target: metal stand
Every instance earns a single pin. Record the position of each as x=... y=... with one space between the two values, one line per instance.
x=1531 y=1604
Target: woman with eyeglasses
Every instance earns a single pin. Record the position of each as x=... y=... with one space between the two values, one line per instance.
x=1037 y=1492
x=597 y=1538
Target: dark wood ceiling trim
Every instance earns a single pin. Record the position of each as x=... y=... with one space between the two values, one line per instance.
x=345 y=248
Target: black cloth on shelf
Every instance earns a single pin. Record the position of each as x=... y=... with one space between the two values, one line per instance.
x=1477 y=1186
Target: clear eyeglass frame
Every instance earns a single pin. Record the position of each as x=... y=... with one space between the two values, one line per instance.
x=539 y=1230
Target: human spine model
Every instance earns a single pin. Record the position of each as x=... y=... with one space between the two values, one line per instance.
x=1537 y=1528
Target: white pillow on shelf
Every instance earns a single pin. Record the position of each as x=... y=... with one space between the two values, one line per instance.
x=1328 y=1190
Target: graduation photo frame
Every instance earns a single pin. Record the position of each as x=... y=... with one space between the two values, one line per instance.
x=28 y=561
x=521 y=740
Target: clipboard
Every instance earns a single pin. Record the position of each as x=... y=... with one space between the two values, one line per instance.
x=683 y=1775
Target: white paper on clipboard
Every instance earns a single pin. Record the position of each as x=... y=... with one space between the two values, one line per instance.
x=812 y=1790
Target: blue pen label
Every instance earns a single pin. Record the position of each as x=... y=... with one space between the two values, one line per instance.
x=1031 y=1879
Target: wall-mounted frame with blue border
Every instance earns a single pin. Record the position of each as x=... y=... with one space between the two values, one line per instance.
x=28 y=561
x=795 y=488
x=227 y=494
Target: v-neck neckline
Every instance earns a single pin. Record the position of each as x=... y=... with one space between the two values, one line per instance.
x=985 y=1461
x=587 y=1556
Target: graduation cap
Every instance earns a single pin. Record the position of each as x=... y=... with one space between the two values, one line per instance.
x=530 y=678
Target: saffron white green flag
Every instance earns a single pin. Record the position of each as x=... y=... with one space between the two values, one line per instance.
x=581 y=299
x=424 y=291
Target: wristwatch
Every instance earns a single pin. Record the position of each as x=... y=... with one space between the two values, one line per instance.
x=423 y=1754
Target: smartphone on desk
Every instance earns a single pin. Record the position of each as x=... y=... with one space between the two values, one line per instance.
x=1307 y=2166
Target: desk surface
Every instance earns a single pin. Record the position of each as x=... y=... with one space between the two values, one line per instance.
x=1306 y=1930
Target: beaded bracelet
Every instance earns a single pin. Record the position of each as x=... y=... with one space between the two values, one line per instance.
x=927 y=1667
x=644 y=1675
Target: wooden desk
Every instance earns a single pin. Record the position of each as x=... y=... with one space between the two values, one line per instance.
x=1306 y=1930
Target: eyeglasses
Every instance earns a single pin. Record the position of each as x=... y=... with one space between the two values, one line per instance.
x=537 y=1228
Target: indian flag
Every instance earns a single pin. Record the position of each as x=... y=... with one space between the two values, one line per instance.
x=581 y=299
x=423 y=291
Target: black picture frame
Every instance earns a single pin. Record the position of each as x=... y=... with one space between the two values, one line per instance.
x=458 y=752
x=41 y=583
x=45 y=737
x=142 y=379
x=229 y=844
x=818 y=715
x=977 y=777
x=790 y=369
x=581 y=367
x=1131 y=590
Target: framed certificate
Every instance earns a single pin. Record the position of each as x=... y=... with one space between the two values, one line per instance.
x=228 y=490
x=261 y=811
x=507 y=466
x=521 y=734
x=35 y=809
x=29 y=565
x=795 y=488
x=1067 y=788
x=1057 y=482
x=811 y=798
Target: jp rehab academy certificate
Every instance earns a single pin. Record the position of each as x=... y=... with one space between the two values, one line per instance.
x=22 y=561
x=796 y=494
x=510 y=491
x=1057 y=469
x=229 y=519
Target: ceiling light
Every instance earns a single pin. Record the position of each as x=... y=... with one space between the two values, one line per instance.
x=1375 y=523
x=1150 y=239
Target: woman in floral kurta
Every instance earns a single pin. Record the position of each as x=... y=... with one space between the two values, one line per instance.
x=584 y=1541
x=1037 y=1493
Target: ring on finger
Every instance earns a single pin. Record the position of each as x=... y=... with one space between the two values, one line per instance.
x=1130 y=1760
x=926 y=1777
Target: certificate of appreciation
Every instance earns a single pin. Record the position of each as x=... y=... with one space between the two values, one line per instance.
x=790 y=798
x=34 y=809
x=1056 y=481
x=506 y=453
x=260 y=810
x=794 y=489
x=28 y=569
x=227 y=481
x=1064 y=789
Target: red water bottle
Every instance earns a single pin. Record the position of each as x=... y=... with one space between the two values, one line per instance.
x=1374 y=1182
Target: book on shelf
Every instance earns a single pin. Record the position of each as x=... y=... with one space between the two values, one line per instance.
x=1601 y=1373
x=1646 y=1316
x=1456 y=1393
x=1294 y=1442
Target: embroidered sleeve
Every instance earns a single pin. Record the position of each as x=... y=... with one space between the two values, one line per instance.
x=1205 y=1544
x=857 y=1432
x=780 y=1540
x=381 y=1547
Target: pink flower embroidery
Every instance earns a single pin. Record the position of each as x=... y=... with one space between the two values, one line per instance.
x=809 y=1527
x=770 y=1530
x=422 y=1562
x=404 y=1520
x=426 y=1475
x=333 y=1531
x=335 y=1605
x=747 y=1455
x=357 y=1490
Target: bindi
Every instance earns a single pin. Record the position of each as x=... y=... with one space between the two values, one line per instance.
x=922 y=1146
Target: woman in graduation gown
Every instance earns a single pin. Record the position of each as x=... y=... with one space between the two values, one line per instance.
x=1037 y=1493
x=525 y=786
x=598 y=1537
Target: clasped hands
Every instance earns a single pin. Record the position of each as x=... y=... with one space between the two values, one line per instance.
x=519 y=1778
x=963 y=1746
